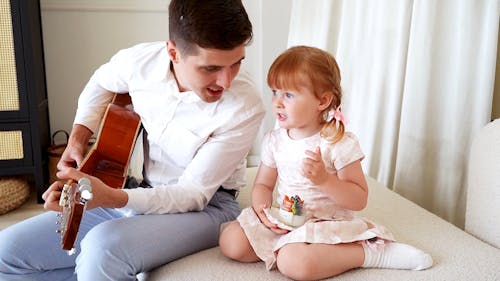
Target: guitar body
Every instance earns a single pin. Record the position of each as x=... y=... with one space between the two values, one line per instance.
x=107 y=160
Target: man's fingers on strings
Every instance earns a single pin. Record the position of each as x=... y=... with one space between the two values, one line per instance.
x=54 y=187
x=70 y=173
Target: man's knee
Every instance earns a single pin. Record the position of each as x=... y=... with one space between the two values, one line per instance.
x=103 y=253
x=101 y=244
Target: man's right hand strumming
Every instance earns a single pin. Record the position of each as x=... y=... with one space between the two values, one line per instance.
x=77 y=147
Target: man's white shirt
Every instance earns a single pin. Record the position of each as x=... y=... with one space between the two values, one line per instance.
x=194 y=146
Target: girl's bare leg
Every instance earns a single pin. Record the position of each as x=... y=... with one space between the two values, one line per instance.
x=234 y=243
x=301 y=261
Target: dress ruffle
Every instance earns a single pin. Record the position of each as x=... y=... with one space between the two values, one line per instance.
x=265 y=242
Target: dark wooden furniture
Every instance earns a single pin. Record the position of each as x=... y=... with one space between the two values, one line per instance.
x=24 y=117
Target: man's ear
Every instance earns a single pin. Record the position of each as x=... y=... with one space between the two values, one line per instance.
x=325 y=100
x=173 y=53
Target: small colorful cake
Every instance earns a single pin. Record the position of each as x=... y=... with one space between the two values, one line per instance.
x=291 y=211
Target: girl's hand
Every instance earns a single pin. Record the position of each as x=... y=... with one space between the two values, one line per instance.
x=313 y=167
x=263 y=218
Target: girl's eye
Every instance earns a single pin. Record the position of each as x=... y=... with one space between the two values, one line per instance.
x=288 y=95
x=274 y=93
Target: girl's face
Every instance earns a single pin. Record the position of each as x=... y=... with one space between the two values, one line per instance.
x=298 y=111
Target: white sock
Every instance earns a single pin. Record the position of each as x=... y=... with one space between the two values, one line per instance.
x=397 y=256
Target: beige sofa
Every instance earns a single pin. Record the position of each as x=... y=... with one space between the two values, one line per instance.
x=473 y=254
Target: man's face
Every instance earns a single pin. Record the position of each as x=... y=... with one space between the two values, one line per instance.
x=208 y=72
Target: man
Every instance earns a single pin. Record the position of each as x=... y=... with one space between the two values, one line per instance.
x=200 y=117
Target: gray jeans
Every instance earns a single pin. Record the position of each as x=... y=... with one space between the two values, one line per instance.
x=110 y=246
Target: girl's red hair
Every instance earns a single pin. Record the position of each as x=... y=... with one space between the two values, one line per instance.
x=301 y=66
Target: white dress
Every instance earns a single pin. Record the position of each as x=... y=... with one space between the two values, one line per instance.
x=327 y=222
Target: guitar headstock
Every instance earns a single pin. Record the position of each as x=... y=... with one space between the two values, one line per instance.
x=73 y=200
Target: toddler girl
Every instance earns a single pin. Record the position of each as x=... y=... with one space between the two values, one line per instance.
x=313 y=158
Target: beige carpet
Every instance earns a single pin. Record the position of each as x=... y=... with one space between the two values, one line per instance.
x=28 y=209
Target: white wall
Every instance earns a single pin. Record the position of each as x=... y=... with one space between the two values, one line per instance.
x=495 y=111
x=80 y=35
x=270 y=20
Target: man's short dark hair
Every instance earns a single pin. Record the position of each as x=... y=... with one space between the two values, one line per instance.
x=214 y=24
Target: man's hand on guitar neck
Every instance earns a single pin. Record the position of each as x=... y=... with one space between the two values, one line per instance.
x=103 y=195
x=72 y=156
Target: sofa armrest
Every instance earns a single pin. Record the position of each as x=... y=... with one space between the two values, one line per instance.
x=482 y=215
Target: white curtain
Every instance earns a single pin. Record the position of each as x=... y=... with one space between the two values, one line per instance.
x=418 y=81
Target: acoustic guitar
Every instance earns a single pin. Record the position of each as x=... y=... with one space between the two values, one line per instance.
x=107 y=160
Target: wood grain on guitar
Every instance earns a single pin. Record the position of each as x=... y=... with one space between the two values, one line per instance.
x=107 y=160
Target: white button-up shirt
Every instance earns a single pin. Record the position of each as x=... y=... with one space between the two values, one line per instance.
x=193 y=147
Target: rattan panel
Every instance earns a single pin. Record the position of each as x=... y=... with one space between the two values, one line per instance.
x=11 y=145
x=9 y=97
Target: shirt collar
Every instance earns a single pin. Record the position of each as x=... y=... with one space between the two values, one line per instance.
x=190 y=96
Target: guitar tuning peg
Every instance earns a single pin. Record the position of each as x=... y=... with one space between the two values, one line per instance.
x=85 y=189
x=84 y=181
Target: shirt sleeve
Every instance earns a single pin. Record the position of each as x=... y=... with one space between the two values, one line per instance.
x=216 y=160
x=217 y=157
x=214 y=163
x=266 y=155
x=108 y=79
x=346 y=151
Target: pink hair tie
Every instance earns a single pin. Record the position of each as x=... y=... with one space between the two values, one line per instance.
x=337 y=115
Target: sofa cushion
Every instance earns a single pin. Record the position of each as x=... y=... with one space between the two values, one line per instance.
x=457 y=255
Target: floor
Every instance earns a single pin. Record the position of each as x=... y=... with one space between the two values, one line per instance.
x=28 y=209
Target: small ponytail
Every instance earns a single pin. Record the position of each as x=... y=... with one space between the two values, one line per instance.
x=334 y=127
